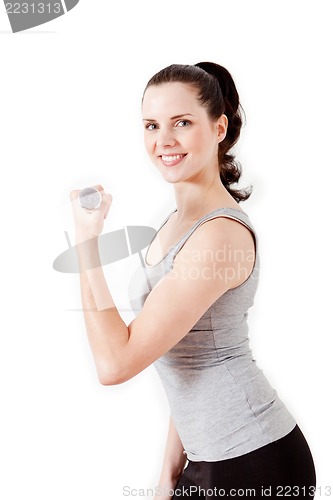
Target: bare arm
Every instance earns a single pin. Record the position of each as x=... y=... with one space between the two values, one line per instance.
x=107 y=332
x=173 y=462
x=121 y=351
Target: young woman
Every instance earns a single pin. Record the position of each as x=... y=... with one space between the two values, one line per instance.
x=229 y=434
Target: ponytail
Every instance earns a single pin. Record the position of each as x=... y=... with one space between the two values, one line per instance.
x=230 y=169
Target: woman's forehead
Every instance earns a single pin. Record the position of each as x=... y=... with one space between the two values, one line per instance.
x=172 y=98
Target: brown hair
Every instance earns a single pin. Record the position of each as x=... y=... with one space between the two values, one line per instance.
x=217 y=92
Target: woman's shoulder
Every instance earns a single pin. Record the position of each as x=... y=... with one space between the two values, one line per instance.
x=219 y=247
x=221 y=228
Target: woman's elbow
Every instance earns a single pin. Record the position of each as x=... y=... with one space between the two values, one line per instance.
x=111 y=377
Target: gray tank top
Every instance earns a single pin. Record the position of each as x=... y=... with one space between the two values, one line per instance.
x=221 y=402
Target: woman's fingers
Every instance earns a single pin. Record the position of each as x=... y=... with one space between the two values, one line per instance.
x=99 y=188
x=107 y=199
x=73 y=195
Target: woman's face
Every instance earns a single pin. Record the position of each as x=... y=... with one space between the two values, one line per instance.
x=180 y=138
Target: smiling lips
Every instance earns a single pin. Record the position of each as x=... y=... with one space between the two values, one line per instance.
x=172 y=160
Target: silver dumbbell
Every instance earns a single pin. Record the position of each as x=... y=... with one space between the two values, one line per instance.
x=90 y=198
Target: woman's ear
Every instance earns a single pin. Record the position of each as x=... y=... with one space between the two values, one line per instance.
x=222 y=127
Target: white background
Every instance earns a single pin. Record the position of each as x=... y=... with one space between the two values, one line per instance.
x=70 y=117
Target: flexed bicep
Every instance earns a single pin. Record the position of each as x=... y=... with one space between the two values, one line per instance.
x=198 y=278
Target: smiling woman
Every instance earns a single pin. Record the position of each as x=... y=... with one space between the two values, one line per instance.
x=188 y=139
x=229 y=430
x=219 y=104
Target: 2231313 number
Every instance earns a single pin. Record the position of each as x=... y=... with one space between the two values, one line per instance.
x=33 y=8
x=304 y=491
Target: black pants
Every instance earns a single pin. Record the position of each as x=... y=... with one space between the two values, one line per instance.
x=281 y=469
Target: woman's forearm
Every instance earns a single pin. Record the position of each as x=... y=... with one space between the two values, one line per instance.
x=107 y=333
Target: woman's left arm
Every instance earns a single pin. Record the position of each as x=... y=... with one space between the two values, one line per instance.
x=107 y=332
x=174 y=305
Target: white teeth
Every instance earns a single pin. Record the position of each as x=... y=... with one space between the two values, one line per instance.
x=172 y=158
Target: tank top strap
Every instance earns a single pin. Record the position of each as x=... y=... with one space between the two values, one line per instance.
x=229 y=212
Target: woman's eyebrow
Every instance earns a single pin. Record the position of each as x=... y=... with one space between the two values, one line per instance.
x=172 y=118
x=179 y=116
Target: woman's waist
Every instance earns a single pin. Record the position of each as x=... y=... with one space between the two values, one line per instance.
x=220 y=389
x=199 y=356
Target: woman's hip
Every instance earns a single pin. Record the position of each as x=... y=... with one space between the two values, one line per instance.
x=284 y=468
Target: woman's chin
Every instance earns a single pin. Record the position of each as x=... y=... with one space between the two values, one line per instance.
x=171 y=179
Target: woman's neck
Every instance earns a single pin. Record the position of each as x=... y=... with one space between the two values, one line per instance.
x=195 y=200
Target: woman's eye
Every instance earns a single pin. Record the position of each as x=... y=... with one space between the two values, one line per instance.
x=183 y=123
x=151 y=126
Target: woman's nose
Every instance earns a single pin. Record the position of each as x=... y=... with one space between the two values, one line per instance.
x=165 y=138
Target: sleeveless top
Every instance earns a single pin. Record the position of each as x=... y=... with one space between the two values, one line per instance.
x=221 y=402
